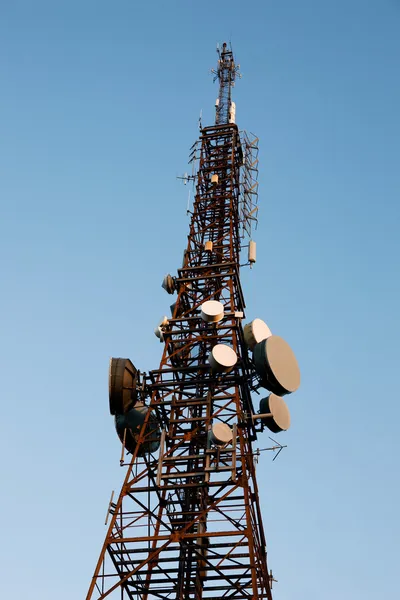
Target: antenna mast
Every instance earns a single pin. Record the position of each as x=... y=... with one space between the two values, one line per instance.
x=187 y=524
x=226 y=73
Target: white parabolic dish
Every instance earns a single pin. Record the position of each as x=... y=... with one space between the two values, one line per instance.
x=222 y=358
x=255 y=332
x=212 y=311
x=221 y=434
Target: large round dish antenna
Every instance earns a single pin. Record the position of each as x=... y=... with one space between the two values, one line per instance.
x=276 y=365
x=122 y=381
x=278 y=418
x=128 y=428
x=255 y=332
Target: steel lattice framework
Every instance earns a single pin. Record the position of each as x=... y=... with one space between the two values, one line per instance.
x=187 y=523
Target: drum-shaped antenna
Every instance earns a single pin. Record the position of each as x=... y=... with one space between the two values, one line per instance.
x=278 y=418
x=122 y=381
x=220 y=434
x=159 y=330
x=168 y=284
x=222 y=358
x=276 y=365
x=212 y=311
x=128 y=427
x=255 y=332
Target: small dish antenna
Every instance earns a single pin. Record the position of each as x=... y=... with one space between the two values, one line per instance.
x=255 y=332
x=274 y=413
x=222 y=358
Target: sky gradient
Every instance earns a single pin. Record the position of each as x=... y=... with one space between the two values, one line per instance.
x=99 y=106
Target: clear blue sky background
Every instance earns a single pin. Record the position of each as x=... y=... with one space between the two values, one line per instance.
x=99 y=104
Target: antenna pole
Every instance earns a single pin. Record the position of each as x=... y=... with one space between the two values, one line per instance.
x=225 y=72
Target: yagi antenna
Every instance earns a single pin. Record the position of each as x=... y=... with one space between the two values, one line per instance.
x=185 y=178
x=278 y=447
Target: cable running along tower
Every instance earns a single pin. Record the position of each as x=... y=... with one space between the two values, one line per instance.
x=187 y=523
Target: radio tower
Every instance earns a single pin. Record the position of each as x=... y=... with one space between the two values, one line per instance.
x=187 y=523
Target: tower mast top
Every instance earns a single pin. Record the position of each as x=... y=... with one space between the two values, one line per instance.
x=226 y=72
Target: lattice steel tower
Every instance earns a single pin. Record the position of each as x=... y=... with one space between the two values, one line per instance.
x=187 y=523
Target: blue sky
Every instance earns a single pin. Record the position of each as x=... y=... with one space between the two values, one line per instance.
x=99 y=105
